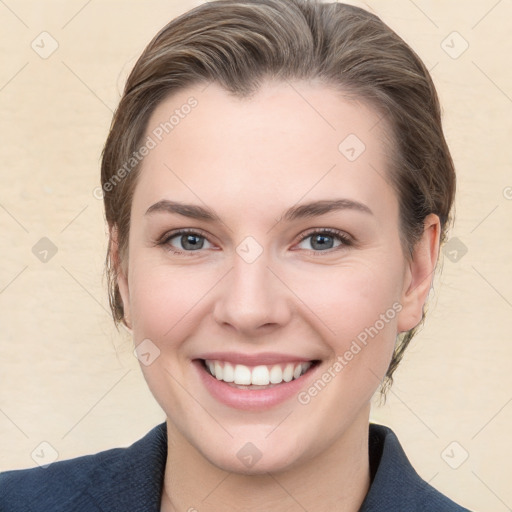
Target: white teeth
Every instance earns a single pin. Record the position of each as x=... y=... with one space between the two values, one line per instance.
x=276 y=374
x=288 y=373
x=242 y=375
x=228 y=374
x=261 y=375
x=218 y=370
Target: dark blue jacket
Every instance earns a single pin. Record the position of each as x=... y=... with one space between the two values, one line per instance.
x=130 y=480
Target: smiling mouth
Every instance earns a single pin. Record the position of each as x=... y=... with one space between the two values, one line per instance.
x=256 y=377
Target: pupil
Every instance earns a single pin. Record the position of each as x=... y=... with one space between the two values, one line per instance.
x=322 y=240
x=192 y=241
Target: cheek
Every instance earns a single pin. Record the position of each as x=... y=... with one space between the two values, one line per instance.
x=349 y=299
x=356 y=309
x=166 y=299
x=354 y=301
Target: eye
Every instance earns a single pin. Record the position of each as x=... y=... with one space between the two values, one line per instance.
x=323 y=240
x=187 y=240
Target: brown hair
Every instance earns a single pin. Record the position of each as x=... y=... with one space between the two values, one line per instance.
x=239 y=44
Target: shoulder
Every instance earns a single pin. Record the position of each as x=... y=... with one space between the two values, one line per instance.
x=61 y=483
x=91 y=482
x=396 y=486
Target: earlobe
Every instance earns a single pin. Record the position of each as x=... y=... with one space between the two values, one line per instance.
x=121 y=272
x=419 y=275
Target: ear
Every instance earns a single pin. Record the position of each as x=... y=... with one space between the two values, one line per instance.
x=121 y=269
x=419 y=274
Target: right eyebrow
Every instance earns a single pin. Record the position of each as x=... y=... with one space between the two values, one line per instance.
x=187 y=210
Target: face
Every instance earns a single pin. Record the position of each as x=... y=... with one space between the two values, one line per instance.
x=291 y=255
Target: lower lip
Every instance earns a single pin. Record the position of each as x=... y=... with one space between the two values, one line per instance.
x=255 y=399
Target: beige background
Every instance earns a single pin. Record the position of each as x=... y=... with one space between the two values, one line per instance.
x=69 y=379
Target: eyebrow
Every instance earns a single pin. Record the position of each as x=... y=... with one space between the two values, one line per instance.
x=311 y=209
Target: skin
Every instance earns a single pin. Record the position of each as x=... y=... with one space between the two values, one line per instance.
x=249 y=160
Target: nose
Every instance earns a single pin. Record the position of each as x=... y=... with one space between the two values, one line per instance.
x=252 y=299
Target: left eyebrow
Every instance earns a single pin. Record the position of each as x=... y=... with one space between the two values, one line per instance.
x=316 y=208
x=311 y=209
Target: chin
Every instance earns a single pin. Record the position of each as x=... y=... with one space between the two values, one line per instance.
x=254 y=452
x=250 y=460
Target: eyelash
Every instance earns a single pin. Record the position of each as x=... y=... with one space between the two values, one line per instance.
x=345 y=240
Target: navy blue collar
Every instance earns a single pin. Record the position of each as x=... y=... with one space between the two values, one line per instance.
x=395 y=485
x=131 y=479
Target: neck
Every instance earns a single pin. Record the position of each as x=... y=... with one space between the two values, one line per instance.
x=336 y=479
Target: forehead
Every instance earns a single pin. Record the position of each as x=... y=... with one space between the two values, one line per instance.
x=288 y=141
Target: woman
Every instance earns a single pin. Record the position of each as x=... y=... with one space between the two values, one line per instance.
x=277 y=186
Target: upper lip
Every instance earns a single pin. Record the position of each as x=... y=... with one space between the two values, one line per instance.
x=263 y=358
